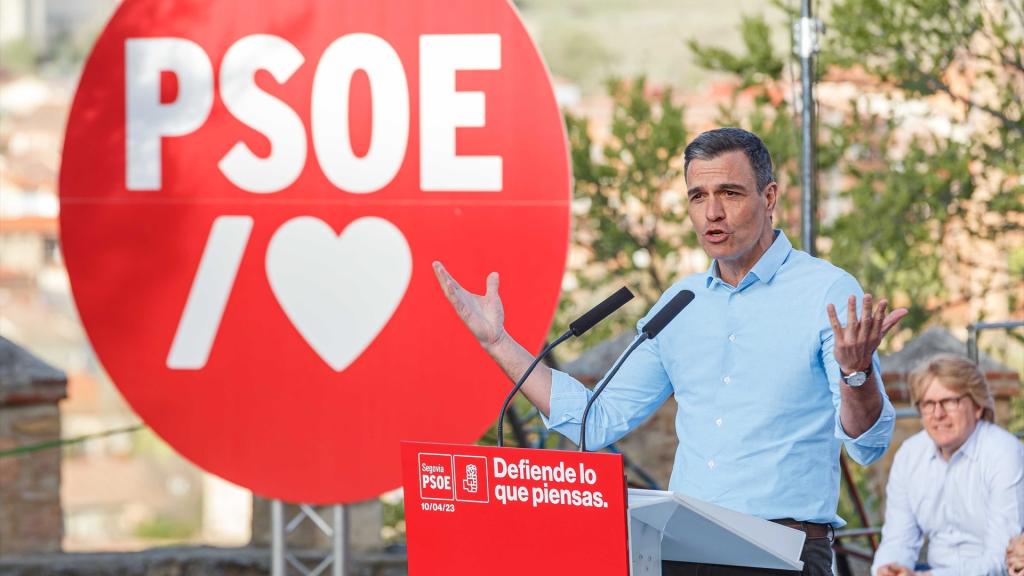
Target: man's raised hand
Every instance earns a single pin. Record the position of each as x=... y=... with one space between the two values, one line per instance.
x=483 y=314
x=857 y=341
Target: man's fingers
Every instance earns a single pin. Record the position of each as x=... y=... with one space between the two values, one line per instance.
x=851 y=312
x=895 y=568
x=893 y=319
x=492 y=284
x=864 y=329
x=851 y=319
x=833 y=319
x=457 y=296
x=890 y=569
x=443 y=278
x=448 y=284
x=439 y=269
x=879 y=318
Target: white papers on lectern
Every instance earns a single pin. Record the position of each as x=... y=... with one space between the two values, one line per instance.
x=696 y=531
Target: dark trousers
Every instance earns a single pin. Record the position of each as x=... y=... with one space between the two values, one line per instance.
x=816 y=556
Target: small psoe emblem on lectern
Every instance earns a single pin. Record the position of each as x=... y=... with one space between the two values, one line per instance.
x=470 y=484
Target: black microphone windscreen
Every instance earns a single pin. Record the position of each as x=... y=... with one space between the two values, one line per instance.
x=667 y=313
x=599 y=312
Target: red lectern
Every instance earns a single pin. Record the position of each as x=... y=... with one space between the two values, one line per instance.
x=509 y=511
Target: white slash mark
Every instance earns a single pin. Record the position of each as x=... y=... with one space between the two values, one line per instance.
x=210 y=291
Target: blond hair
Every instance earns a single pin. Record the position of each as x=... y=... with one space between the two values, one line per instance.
x=959 y=375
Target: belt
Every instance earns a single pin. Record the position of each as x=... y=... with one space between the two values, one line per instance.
x=813 y=531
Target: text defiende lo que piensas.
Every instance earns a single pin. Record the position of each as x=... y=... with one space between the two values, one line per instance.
x=559 y=485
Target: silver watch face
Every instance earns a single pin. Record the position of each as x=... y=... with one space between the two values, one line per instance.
x=856 y=379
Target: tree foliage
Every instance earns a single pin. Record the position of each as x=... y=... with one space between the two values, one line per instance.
x=952 y=184
x=629 y=207
x=917 y=170
x=917 y=188
x=760 y=69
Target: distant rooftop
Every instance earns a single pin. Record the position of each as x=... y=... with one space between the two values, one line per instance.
x=1002 y=379
x=932 y=341
x=25 y=379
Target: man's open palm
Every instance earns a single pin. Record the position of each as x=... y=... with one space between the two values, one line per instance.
x=855 y=343
x=483 y=315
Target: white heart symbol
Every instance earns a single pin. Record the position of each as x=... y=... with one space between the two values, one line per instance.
x=339 y=291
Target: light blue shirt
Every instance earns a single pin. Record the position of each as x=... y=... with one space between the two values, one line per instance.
x=969 y=507
x=757 y=386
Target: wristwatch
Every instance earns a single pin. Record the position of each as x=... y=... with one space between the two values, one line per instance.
x=856 y=379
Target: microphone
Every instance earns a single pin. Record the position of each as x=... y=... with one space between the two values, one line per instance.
x=650 y=330
x=667 y=313
x=576 y=328
x=591 y=317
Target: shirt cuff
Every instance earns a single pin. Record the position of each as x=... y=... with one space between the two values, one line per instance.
x=568 y=399
x=879 y=434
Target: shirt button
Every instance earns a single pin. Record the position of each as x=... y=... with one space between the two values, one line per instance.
x=718 y=422
x=726 y=379
x=711 y=464
x=732 y=337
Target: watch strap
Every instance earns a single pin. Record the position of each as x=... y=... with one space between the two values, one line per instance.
x=867 y=373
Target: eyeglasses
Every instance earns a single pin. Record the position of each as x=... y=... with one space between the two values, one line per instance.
x=948 y=404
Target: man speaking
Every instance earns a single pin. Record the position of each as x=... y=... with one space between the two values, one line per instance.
x=768 y=380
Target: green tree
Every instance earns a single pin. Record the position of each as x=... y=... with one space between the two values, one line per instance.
x=629 y=205
x=760 y=69
x=947 y=184
x=917 y=188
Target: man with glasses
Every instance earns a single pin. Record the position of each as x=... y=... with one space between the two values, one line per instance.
x=960 y=481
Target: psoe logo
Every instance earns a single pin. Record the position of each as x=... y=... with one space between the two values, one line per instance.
x=472 y=482
x=436 y=477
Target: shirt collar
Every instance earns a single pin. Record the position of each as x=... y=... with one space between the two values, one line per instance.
x=969 y=448
x=765 y=268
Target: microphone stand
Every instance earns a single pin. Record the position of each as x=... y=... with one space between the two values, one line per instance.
x=522 y=379
x=650 y=330
x=604 y=383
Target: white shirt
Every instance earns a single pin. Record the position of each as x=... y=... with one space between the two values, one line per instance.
x=969 y=507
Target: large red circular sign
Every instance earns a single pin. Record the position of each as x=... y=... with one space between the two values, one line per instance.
x=252 y=196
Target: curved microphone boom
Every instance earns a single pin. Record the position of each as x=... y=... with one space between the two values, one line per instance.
x=650 y=330
x=576 y=328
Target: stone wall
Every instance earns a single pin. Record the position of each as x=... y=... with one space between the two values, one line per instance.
x=30 y=511
x=186 y=561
